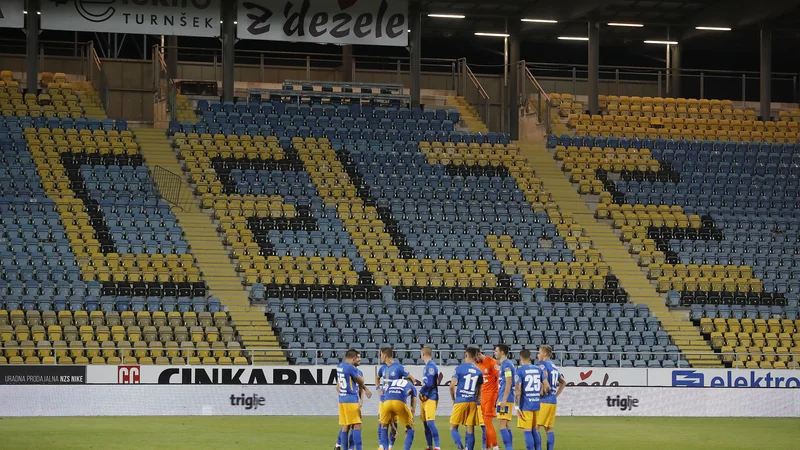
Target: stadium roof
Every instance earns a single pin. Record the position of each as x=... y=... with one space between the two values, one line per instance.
x=680 y=16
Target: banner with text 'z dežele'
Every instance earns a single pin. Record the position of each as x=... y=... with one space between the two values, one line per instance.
x=363 y=22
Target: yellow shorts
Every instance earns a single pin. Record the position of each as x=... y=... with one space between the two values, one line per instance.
x=505 y=411
x=527 y=419
x=380 y=412
x=428 y=410
x=466 y=414
x=547 y=415
x=349 y=414
x=392 y=410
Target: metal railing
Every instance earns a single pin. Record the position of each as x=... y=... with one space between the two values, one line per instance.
x=662 y=82
x=471 y=89
x=538 y=100
x=171 y=187
x=164 y=86
x=320 y=356
x=97 y=75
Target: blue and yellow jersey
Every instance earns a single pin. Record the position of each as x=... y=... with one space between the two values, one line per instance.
x=395 y=371
x=346 y=375
x=466 y=377
x=552 y=373
x=529 y=377
x=430 y=381
x=507 y=371
x=399 y=390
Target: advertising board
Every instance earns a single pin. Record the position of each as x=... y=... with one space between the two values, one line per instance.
x=307 y=400
x=182 y=18
x=362 y=22
x=11 y=14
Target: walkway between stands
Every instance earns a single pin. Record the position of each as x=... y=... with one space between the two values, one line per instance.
x=212 y=256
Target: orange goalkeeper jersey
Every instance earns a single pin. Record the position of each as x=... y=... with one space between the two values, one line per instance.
x=491 y=373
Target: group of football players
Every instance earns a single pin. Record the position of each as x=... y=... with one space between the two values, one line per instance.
x=482 y=388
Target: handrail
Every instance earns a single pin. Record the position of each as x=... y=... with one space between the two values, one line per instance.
x=484 y=95
x=792 y=360
x=541 y=104
x=467 y=77
x=163 y=85
x=97 y=75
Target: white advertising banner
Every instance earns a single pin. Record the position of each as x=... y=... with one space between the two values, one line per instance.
x=326 y=375
x=194 y=400
x=173 y=17
x=363 y=22
x=317 y=375
x=11 y=14
x=732 y=378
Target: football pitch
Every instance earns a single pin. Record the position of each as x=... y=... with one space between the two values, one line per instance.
x=320 y=433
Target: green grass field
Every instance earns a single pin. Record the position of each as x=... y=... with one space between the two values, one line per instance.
x=320 y=433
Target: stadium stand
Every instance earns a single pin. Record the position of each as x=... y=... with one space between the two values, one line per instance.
x=94 y=265
x=706 y=203
x=355 y=222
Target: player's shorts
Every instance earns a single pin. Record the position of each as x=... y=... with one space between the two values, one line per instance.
x=547 y=415
x=428 y=410
x=526 y=420
x=380 y=411
x=505 y=411
x=489 y=405
x=349 y=414
x=465 y=414
x=396 y=410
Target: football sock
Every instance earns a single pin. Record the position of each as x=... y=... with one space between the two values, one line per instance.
x=505 y=433
x=551 y=440
x=392 y=437
x=456 y=438
x=537 y=439
x=342 y=438
x=470 y=441
x=383 y=438
x=434 y=433
x=409 y=440
x=491 y=433
x=352 y=443
x=357 y=439
x=530 y=444
x=428 y=437
x=483 y=436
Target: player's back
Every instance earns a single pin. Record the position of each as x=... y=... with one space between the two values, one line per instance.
x=399 y=390
x=387 y=373
x=553 y=373
x=467 y=376
x=346 y=375
x=529 y=376
x=491 y=370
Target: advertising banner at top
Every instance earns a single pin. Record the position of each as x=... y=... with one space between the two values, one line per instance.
x=363 y=22
x=319 y=375
x=169 y=17
x=11 y=14
x=326 y=375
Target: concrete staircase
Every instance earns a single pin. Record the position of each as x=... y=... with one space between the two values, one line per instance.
x=685 y=335
x=469 y=115
x=218 y=271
